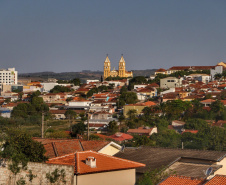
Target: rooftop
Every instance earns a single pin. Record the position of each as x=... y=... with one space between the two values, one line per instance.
x=165 y=156
x=104 y=162
x=180 y=180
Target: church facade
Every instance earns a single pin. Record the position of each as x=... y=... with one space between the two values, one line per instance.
x=121 y=72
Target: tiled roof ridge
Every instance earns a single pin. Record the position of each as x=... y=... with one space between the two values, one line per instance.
x=55 y=149
x=109 y=156
x=63 y=156
x=80 y=144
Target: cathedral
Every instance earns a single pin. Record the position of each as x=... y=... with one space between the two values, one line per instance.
x=121 y=72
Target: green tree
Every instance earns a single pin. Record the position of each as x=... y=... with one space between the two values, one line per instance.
x=76 y=81
x=78 y=128
x=113 y=127
x=20 y=148
x=127 y=98
x=167 y=138
x=155 y=176
x=131 y=114
x=58 y=89
x=217 y=76
x=217 y=107
x=70 y=114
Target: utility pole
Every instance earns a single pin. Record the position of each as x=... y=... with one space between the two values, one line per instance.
x=88 y=126
x=42 y=124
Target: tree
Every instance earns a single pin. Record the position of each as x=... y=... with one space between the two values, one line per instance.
x=113 y=127
x=76 y=81
x=78 y=128
x=131 y=114
x=20 y=148
x=141 y=140
x=70 y=114
x=217 y=107
x=155 y=176
x=167 y=138
x=127 y=98
x=217 y=76
x=58 y=89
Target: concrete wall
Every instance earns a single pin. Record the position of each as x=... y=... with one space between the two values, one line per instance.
x=39 y=169
x=130 y=107
x=221 y=171
x=218 y=69
x=170 y=82
x=122 y=177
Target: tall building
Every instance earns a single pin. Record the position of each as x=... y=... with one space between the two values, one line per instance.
x=8 y=77
x=121 y=72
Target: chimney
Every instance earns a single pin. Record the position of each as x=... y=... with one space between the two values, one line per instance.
x=91 y=161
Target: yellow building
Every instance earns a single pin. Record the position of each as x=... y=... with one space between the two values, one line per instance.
x=121 y=72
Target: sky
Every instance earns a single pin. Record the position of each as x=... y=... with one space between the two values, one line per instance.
x=75 y=35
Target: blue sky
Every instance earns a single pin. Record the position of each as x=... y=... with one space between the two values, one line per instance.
x=75 y=35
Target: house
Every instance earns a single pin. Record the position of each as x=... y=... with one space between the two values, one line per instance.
x=188 y=68
x=170 y=82
x=207 y=102
x=161 y=71
x=60 y=114
x=120 y=137
x=178 y=126
x=138 y=107
x=143 y=131
x=146 y=93
x=60 y=147
x=77 y=168
x=220 y=123
x=184 y=162
x=99 y=169
x=100 y=120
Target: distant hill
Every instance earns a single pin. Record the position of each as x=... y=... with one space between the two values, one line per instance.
x=84 y=75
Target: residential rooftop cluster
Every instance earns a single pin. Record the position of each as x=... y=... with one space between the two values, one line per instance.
x=166 y=129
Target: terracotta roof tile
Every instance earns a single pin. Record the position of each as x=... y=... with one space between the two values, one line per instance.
x=121 y=136
x=181 y=180
x=61 y=147
x=103 y=162
x=217 y=180
x=191 y=131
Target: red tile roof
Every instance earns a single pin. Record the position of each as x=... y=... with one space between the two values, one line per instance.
x=217 y=180
x=191 y=131
x=208 y=101
x=191 y=67
x=161 y=70
x=104 y=162
x=121 y=136
x=61 y=147
x=140 y=130
x=181 y=180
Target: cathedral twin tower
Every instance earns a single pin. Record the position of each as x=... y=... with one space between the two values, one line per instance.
x=121 y=72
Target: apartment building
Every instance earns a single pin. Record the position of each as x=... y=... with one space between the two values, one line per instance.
x=8 y=76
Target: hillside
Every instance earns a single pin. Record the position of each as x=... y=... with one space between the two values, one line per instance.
x=84 y=75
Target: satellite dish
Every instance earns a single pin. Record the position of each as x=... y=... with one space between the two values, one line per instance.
x=209 y=171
